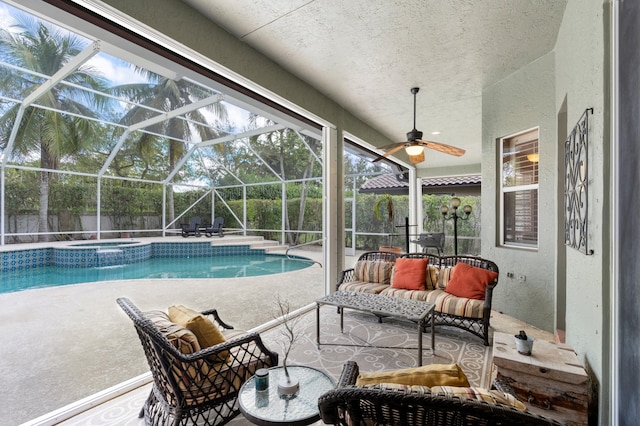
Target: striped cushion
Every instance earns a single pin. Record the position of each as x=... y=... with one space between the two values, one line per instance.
x=453 y=305
x=186 y=374
x=406 y=294
x=396 y=387
x=481 y=394
x=431 y=281
x=363 y=286
x=444 y=275
x=373 y=271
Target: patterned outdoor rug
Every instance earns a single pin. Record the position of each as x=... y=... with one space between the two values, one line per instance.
x=380 y=346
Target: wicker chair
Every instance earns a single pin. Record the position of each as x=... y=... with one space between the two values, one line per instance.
x=352 y=405
x=196 y=388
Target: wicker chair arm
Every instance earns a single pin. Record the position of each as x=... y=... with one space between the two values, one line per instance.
x=241 y=341
x=349 y=375
x=214 y=314
x=345 y=277
x=488 y=294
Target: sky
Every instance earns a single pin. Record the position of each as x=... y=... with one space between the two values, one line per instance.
x=119 y=72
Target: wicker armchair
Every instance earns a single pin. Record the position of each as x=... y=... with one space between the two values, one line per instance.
x=196 y=388
x=352 y=405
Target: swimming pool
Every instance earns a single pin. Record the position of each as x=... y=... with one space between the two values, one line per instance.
x=173 y=261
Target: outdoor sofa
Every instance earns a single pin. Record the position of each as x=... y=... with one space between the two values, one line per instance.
x=461 y=287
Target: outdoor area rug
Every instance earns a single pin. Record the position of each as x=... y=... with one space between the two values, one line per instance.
x=379 y=346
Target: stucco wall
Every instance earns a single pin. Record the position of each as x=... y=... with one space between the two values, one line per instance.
x=522 y=101
x=582 y=80
x=553 y=93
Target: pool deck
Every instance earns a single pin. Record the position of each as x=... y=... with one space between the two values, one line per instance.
x=62 y=344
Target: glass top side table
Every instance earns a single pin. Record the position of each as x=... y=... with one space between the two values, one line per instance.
x=268 y=408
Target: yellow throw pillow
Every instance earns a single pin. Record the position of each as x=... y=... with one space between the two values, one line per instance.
x=427 y=375
x=206 y=331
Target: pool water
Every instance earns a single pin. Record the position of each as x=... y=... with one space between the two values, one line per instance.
x=248 y=265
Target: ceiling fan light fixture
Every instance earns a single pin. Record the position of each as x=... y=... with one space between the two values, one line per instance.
x=414 y=149
x=414 y=145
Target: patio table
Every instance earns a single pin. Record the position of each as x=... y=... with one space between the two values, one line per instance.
x=382 y=306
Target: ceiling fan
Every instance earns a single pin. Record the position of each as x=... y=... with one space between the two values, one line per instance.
x=414 y=145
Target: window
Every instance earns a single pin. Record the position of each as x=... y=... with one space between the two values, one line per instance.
x=519 y=190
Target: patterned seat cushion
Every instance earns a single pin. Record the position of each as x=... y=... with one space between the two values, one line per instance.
x=481 y=394
x=364 y=286
x=444 y=302
x=461 y=306
x=422 y=295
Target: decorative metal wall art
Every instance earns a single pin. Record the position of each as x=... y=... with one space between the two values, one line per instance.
x=576 y=186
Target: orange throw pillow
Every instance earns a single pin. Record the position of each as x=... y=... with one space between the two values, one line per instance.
x=410 y=274
x=470 y=281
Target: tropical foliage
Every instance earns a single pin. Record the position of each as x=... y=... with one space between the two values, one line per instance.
x=44 y=49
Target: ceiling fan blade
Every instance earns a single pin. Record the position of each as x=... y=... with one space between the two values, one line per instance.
x=391 y=145
x=447 y=149
x=392 y=151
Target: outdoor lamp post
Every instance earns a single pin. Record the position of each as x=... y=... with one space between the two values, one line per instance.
x=455 y=203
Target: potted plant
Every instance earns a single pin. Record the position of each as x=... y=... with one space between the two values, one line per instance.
x=524 y=343
x=383 y=208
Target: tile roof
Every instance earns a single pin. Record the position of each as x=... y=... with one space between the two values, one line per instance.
x=391 y=182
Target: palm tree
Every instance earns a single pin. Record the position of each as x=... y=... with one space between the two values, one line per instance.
x=164 y=94
x=44 y=48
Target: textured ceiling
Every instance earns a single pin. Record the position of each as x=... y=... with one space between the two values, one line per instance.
x=366 y=55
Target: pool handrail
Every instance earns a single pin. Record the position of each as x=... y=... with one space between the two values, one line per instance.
x=286 y=253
